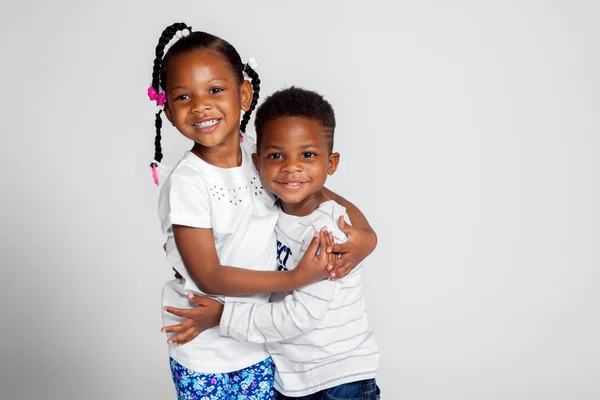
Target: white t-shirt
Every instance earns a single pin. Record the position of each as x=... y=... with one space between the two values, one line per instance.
x=242 y=216
x=319 y=336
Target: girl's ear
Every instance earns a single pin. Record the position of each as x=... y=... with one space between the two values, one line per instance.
x=246 y=94
x=334 y=160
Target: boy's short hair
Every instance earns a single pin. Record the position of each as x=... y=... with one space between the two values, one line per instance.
x=295 y=102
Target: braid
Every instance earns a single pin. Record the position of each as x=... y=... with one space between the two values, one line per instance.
x=164 y=40
x=256 y=90
x=157 y=148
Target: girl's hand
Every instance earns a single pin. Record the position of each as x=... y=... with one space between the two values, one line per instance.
x=360 y=244
x=207 y=315
x=313 y=265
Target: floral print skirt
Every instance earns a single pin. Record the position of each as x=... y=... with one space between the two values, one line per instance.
x=251 y=383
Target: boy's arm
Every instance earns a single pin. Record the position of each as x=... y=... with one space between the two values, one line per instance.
x=298 y=313
x=197 y=249
x=362 y=239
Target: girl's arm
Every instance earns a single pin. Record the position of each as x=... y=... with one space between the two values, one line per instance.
x=197 y=249
x=362 y=240
x=299 y=313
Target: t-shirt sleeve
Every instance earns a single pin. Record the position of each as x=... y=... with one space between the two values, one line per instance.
x=183 y=201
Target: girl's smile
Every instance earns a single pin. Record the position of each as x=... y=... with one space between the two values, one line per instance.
x=207 y=125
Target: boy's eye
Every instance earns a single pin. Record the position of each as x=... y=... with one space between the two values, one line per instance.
x=308 y=154
x=216 y=90
x=275 y=156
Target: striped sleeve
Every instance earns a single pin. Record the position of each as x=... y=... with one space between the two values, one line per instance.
x=298 y=313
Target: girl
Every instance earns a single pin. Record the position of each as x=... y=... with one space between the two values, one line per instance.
x=216 y=213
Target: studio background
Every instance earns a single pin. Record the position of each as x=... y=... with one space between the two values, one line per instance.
x=469 y=136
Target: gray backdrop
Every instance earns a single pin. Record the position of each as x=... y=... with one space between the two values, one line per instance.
x=469 y=135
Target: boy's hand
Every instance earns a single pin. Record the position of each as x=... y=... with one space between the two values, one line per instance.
x=359 y=245
x=207 y=315
x=313 y=265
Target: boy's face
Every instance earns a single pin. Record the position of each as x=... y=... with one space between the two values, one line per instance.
x=293 y=160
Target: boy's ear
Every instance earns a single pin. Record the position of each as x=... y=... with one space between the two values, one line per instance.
x=246 y=94
x=256 y=161
x=334 y=160
x=168 y=114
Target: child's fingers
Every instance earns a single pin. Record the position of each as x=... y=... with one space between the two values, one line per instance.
x=314 y=245
x=174 y=328
x=340 y=261
x=338 y=248
x=330 y=242
x=177 y=338
x=203 y=301
x=180 y=312
x=340 y=272
x=330 y=239
x=344 y=226
x=323 y=245
x=194 y=298
x=185 y=336
x=179 y=328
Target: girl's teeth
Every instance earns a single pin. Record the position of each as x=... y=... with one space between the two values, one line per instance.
x=206 y=124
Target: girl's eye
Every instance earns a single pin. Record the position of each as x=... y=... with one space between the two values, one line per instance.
x=275 y=156
x=308 y=154
x=216 y=90
x=182 y=97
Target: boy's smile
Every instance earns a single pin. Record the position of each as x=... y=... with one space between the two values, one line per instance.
x=293 y=161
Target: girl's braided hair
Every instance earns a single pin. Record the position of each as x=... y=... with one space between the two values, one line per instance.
x=188 y=44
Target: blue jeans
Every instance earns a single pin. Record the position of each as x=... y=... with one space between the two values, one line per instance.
x=361 y=390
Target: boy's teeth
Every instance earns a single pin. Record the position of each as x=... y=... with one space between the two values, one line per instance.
x=205 y=124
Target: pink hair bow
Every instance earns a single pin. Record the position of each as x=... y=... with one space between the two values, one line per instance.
x=160 y=98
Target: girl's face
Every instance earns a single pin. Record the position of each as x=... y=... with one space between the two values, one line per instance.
x=204 y=98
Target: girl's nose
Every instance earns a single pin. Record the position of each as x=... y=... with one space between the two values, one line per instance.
x=201 y=104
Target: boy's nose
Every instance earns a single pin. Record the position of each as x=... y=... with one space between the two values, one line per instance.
x=291 y=166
